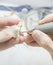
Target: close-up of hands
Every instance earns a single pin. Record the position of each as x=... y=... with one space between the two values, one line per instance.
x=37 y=38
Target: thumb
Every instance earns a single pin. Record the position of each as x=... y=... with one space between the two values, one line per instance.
x=42 y=39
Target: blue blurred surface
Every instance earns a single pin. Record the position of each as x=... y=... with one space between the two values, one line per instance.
x=19 y=8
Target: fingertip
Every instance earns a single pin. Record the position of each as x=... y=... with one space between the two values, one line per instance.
x=47 y=19
x=42 y=21
x=8 y=21
x=12 y=22
x=38 y=35
x=35 y=32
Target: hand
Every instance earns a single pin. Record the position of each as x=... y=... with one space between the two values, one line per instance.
x=8 y=21
x=41 y=39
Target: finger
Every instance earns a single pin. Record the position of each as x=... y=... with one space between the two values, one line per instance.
x=32 y=43
x=47 y=19
x=20 y=39
x=8 y=21
x=23 y=38
x=42 y=39
x=28 y=39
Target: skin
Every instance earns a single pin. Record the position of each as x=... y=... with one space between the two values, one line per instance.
x=8 y=21
x=37 y=38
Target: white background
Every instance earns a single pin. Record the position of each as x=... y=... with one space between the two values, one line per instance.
x=21 y=54
x=30 y=2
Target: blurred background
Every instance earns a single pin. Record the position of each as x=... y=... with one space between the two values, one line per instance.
x=30 y=2
x=22 y=54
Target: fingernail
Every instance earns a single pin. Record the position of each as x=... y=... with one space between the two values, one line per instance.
x=40 y=22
